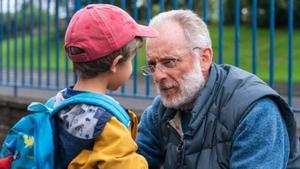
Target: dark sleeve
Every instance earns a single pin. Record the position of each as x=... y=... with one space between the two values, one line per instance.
x=261 y=140
x=148 y=138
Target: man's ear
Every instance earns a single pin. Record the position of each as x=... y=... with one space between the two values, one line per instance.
x=206 y=59
x=114 y=64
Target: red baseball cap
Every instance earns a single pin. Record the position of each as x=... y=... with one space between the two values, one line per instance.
x=100 y=29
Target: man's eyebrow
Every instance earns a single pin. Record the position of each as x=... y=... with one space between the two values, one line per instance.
x=166 y=57
x=169 y=57
x=150 y=62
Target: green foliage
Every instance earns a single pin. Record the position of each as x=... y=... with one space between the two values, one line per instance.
x=24 y=17
x=24 y=51
x=263 y=12
x=263 y=51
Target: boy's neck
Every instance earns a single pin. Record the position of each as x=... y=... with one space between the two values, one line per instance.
x=95 y=85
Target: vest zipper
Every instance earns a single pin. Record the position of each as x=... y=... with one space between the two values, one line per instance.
x=180 y=147
x=180 y=150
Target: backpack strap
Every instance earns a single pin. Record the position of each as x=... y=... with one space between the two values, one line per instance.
x=36 y=107
x=43 y=134
x=98 y=100
x=50 y=102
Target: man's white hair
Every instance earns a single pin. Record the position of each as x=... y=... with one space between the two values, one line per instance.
x=195 y=29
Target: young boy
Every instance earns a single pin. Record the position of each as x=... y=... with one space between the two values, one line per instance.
x=101 y=41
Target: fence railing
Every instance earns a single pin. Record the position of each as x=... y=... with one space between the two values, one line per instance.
x=32 y=55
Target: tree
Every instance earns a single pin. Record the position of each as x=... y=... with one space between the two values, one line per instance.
x=263 y=12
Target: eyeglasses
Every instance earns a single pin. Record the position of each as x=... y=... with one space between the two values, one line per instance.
x=163 y=65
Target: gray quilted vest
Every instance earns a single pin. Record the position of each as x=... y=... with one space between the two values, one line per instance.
x=220 y=107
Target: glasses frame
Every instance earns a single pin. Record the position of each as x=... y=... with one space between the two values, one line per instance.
x=146 y=70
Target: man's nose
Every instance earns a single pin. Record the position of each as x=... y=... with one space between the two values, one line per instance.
x=158 y=74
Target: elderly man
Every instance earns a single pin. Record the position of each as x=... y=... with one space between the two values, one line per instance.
x=209 y=116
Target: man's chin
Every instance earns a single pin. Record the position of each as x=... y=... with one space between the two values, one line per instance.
x=170 y=102
x=175 y=102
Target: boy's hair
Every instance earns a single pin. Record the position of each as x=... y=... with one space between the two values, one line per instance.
x=93 y=68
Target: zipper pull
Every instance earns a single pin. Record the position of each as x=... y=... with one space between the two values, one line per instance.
x=180 y=160
x=180 y=146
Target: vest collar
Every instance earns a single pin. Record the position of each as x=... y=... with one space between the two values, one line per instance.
x=205 y=99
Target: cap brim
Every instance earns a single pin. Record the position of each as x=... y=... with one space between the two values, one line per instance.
x=146 y=31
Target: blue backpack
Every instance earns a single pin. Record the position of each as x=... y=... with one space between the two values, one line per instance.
x=30 y=141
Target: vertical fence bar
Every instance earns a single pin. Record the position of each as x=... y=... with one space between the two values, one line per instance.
x=190 y=4
x=220 y=31
x=237 y=32
x=112 y=1
x=31 y=43
x=175 y=4
x=76 y=8
x=290 y=53
x=161 y=5
x=272 y=41
x=204 y=9
x=66 y=58
x=89 y=1
x=77 y=5
x=23 y=41
x=15 y=49
x=1 y=41
x=48 y=45
x=148 y=17
x=57 y=44
x=135 y=62
x=8 y=33
x=40 y=45
x=123 y=6
x=254 y=36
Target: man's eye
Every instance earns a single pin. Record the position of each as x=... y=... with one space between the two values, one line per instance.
x=151 y=64
x=169 y=63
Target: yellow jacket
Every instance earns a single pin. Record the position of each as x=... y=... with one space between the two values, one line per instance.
x=114 y=148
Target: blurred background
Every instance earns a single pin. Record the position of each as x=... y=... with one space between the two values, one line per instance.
x=261 y=37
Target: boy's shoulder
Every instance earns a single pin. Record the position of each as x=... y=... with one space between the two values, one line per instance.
x=84 y=121
x=87 y=114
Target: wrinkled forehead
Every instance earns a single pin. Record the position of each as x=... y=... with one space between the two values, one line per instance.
x=160 y=49
x=171 y=40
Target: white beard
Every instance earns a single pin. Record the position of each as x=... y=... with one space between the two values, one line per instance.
x=189 y=86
